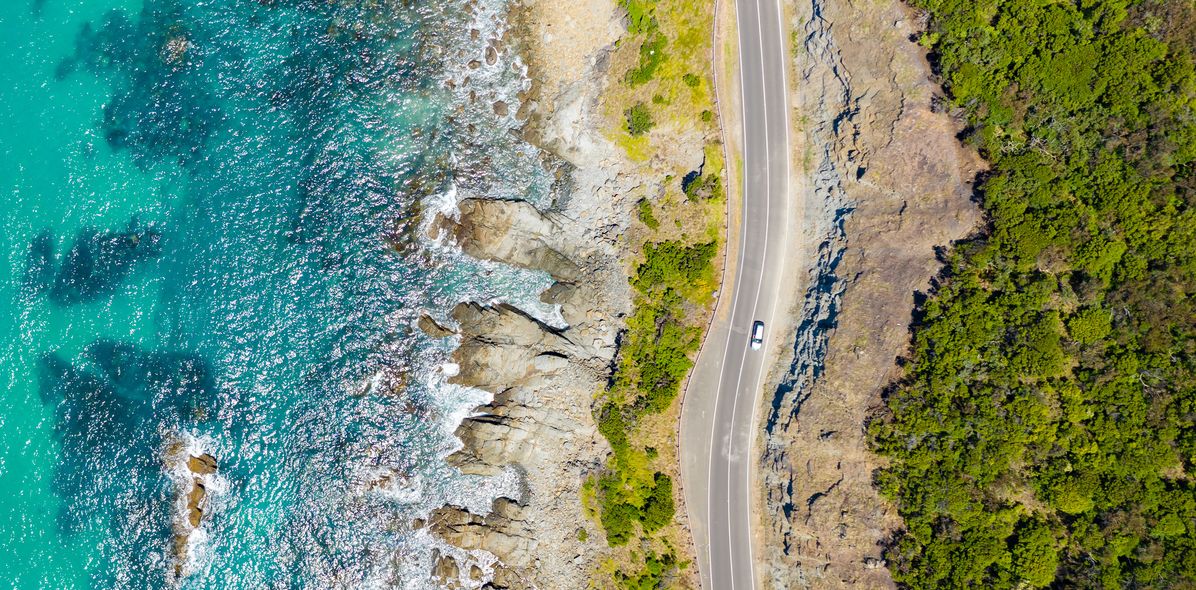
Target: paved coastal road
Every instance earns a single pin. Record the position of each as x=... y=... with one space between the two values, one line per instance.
x=719 y=421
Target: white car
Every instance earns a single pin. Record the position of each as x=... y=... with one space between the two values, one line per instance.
x=757 y=335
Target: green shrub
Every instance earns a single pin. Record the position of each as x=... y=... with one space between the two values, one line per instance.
x=705 y=186
x=613 y=427
x=653 y=360
x=658 y=510
x=618 y=520
x=691 y=80
x=643 y=210
x=652 y=55
x=659 y=342
x=639 y=119
x=674 y=265
x=656 y=570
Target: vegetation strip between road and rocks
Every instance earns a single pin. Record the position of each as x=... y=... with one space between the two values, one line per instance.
x=666 y=88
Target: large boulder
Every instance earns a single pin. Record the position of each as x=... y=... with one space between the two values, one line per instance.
x=500 y=345
x=512 y=232
x=513 y=429
x=504 y=532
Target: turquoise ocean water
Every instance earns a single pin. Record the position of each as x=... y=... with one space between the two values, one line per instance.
x=209 y=226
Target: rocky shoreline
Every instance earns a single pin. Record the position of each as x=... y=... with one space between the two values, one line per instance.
x=543 y=378
x=887 y=185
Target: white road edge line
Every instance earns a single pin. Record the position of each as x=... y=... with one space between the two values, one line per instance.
x=755 y=304
x=788 y=221
x=731 y=325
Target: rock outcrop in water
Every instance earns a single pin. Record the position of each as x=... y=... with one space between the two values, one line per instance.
x=539 y=421
x=888 y=184
x=193 y=477
x=515 y=357
x=503 y=348
x=504 y=532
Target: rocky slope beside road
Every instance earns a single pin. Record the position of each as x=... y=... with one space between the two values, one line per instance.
x=887 y=183
x=543 y=378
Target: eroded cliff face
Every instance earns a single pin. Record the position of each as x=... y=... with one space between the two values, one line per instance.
x=543 y=378
x=885 y=184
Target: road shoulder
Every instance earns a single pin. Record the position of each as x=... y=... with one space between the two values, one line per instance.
x=883 y=183
x=694 y=424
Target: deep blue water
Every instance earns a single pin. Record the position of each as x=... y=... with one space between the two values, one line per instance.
x=211 y=220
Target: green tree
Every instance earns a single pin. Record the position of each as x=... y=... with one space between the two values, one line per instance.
x=1090 y=325
x=1035 y=557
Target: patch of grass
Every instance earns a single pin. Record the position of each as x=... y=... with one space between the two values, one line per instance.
x=637 y=147
x=665 y=88
x=670 y=60
x=640 y=15
x=589 y=499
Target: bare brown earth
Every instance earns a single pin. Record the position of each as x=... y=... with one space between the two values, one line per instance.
x=885 y=184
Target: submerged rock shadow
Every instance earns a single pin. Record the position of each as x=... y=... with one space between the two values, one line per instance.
x=96 y=264
x=162 y=108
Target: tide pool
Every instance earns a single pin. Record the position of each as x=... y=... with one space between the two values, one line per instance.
x=210 y=226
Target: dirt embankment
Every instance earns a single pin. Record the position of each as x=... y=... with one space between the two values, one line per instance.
x=885 y=184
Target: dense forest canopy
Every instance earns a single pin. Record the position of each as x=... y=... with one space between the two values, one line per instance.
x=1043 y=434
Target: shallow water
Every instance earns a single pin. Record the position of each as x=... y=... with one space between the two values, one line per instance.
x=210 y=225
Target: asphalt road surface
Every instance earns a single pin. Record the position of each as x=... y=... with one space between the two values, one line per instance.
x=719 y=423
